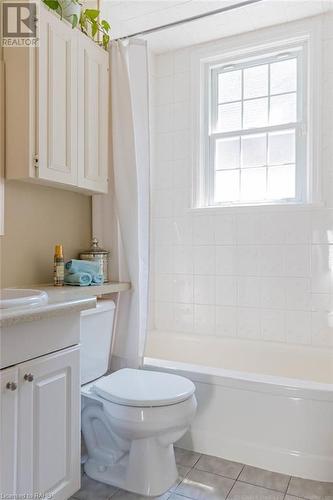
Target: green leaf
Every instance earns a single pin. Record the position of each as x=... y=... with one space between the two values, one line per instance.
x=105 y=41
x=92 y=14
x=52 y=4
x=75 y=20
x=105 y=25
x=94 y=28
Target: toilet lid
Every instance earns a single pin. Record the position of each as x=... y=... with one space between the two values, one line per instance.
x=143 y=388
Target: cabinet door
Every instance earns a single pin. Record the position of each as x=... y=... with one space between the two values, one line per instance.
x=57 y=100
x=8 y=431
x=93 y=117
x=49 y=425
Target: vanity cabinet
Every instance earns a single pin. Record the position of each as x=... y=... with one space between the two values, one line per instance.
x=40 y=426
x=57 y=109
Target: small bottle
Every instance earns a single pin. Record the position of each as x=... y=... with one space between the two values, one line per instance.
x=59 y=266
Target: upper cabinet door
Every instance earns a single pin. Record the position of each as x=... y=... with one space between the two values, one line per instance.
x=93 y=93
x=57 y=100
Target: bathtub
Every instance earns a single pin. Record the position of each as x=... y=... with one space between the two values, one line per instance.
x=265 y=404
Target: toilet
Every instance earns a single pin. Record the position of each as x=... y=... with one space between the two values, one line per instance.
x=131 y=418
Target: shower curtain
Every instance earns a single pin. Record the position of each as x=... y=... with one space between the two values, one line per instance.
x=121 y=218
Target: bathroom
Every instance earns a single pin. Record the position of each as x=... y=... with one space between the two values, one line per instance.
x=197 y=149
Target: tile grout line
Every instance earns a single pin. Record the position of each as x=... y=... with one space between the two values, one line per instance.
x=286 y=493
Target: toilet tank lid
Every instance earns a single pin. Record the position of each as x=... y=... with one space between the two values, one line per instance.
x=101 y=306
x=143 y=388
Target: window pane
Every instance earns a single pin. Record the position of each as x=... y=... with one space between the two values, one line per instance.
x=255 y=113
x=226 y=185
x=281 y=182
x=283 y=76
x=254 y=150
x=281 y=147
x=227 y=153
x=256 y=81
x=253 y=184
x=230 y=86
x=229 y=117
x=283 y=109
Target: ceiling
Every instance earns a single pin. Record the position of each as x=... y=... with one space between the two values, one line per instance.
x=127 y=17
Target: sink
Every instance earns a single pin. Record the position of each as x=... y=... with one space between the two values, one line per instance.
x=16 y=297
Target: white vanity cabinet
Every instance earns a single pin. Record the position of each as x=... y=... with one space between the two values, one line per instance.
x=40 y=426
x=57 y=109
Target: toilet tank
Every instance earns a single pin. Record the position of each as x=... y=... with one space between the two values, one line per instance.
x=96 y=336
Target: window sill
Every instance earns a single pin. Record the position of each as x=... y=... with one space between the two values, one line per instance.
x=260 y=207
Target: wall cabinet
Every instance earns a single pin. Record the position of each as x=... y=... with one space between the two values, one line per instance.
x=40 y=426
x=57 y=109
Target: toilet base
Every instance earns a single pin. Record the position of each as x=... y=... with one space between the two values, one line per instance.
x=148 y=469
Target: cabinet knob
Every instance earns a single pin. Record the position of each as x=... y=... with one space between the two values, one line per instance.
x=11 y=386
x=28 y=377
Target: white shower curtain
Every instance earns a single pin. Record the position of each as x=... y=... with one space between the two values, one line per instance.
x=121 y=218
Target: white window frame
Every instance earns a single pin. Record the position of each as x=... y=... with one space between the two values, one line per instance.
x=246 y=48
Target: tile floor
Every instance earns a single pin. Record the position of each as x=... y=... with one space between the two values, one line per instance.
x=202 y=477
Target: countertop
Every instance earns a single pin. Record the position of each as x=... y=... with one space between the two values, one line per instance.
x=61 y=300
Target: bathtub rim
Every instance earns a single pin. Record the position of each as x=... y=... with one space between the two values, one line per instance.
x=272 y=384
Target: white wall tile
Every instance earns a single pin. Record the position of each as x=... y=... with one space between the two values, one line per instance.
x=225 y=260
x=226 y=290
x=184 y=317
x=165 y=64
x=226 y=321
x=203 y=230
x=225 y=229
x=298 y=327
x=321 y=271
x=249 y=291
x=164 y=259
x=182 y=60
x=183 y=259
x=249 y=323
x=273 y=293
x=273 y=325
x=204 y=290
x=164 y=316
x=258 y=273
x=183 y=288
x=298 y=228
x=322 y=329
x=181 y=145
x=204 y=259
x=271 y=260
x=297 y=260
x=182 y=87
x=249 y=229
x=204 y=319
x=247 y=260
x=164 y=90
x=164 y=287
x=298 y=295
x=183 y=229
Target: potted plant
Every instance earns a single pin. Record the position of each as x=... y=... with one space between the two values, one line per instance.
x=87 y=20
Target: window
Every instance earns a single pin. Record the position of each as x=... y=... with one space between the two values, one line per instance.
x=255 y=134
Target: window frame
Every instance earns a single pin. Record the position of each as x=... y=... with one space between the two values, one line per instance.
x=276 y=39
x=300 y=125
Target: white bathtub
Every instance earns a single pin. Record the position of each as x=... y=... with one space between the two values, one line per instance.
x=265 y=404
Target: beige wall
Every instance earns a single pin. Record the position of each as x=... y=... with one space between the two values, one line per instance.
x=36 y=218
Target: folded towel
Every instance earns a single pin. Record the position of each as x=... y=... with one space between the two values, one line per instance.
x=78 y=279
x=82 y=266
x=97 y=279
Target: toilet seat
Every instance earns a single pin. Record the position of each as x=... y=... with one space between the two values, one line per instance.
x=143 y=388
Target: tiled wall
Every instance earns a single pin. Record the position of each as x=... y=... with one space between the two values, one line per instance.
x=258 y=273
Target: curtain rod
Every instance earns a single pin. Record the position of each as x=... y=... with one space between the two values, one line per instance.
x=190 y=19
